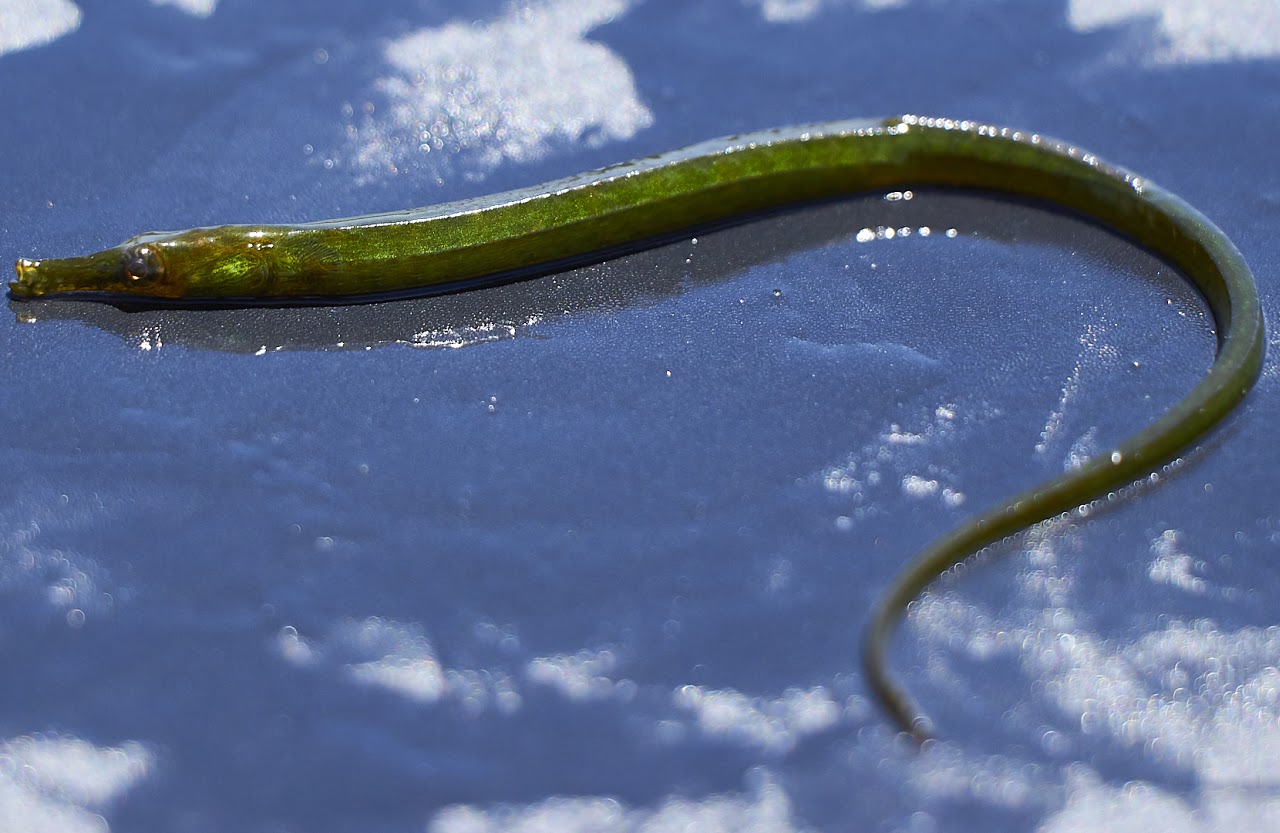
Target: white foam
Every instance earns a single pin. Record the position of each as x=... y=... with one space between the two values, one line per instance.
x=25 y=24
x=796 y=11
x=1188 y=695
x=508 y=90
x=772 y=724
x=195 y=8
x=398 y=658
x=1141 y=807
x=1175 y=567
x=1192 y=31
x=54 y=784
x=581 y=677
x=765 y=808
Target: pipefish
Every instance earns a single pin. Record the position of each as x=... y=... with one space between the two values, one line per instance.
x=598 y=214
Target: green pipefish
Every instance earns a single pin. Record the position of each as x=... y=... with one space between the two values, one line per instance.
x=592 y=216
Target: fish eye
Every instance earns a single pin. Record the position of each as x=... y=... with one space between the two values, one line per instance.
x=142 y=264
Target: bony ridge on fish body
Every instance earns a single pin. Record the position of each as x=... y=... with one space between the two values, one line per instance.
x=626 y=207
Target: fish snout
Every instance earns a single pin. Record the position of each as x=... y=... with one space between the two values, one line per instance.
x=28 y=277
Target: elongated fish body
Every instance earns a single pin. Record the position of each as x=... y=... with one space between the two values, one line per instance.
x=584 y=218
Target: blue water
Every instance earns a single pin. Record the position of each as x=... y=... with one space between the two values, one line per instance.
x=596 y=551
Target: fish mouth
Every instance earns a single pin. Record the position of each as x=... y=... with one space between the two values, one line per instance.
x=27 y=284
x=90 y=273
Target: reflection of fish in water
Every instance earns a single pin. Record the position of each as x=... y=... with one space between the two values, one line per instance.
x=598 y=215
x=504 y=311
x=517 y=308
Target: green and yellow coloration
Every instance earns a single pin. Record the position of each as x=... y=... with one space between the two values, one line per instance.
x=601 y=213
